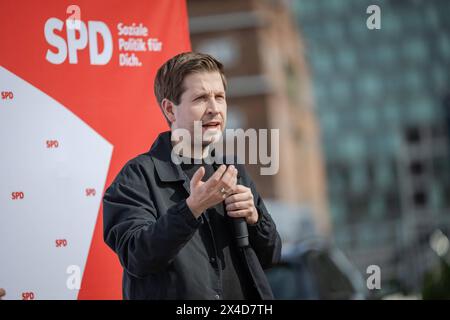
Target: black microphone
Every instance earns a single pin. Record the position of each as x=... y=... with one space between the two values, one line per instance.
x=240 y=226
x=241 y=232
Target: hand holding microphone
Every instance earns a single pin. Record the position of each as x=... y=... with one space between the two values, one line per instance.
x=238 y=199
x=240 y=204
x=241 y=207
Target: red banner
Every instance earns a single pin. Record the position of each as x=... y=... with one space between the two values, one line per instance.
x=77 y=92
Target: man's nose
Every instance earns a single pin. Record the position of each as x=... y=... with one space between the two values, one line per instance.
x=213 y=106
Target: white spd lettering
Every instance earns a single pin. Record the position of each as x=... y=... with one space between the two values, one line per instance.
x=77 y=39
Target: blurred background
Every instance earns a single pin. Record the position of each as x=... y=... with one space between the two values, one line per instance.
x=364 y=119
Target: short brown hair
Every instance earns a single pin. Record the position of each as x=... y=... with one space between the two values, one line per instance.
x=170 y=76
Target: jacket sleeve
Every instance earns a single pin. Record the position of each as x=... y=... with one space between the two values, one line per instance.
x=263 y=235
x=145 y=240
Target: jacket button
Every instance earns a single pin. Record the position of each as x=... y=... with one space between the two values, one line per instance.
x=217 y=297
x=212 y=260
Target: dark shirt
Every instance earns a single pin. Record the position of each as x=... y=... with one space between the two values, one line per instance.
x=232 y=276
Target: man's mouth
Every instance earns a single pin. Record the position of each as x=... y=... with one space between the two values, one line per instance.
x=212 y=125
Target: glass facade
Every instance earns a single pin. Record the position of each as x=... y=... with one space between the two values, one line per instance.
x=380 y=98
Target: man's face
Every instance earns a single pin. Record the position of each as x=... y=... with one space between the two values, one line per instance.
x=203 y=100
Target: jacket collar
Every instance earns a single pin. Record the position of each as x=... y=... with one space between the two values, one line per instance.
x=166 y=169
x=161 y=155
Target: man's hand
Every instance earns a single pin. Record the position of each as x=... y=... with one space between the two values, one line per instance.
x=240 y=205
x=2 y=293
x=207 y=194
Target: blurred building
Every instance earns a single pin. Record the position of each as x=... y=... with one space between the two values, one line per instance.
x=382 y=100
x=268 y=87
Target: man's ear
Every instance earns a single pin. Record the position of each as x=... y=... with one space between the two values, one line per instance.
x=168 y=108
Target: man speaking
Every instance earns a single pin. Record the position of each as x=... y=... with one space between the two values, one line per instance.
x=195 y=229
